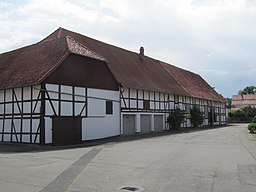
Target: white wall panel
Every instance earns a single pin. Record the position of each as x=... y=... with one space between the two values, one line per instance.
x=49 y=109
x=146 y=95
x=161 y=96
x=140 y=104
x=133 y=93
x=140 y=94
x=26 y=125
x=66 y=108
x=157 y=105
x=53 y=95
x=127 y=102
x=125 y=93
x=171 y=97
x=26 y=138
x=80 y=91
x=52 y=87
x=17 y=124
x=68 y=90
x=35 y=123
x=162 y=105
x=171 y=105
x=26 y=107
x=15 y=138
x=122 y=103
x=27 y=93
x=18 y=94
x=96 y=107
x=36 y=91
x=8 y=95
x=8 y=108
x=151 y=95
x=78 y=109
x=1 y=96
x=133 y=104
x=7 y=137
x=1 y=108
x=16 y=108
x=157 y=96
x=48 y=130
x=37 y=138
x=151 y=103
x=37 y=105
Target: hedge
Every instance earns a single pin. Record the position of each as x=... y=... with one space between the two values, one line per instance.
x=252 y=127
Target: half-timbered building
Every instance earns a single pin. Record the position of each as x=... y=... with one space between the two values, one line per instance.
x=69 y=88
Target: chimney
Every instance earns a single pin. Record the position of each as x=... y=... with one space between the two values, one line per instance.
x=142 y=51
x=141 y=54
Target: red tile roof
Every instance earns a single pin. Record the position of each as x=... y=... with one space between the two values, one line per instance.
x=193 y=83
x=146 y=74
x=247 y=100
x=32 y=64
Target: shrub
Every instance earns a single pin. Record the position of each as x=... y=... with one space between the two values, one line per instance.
x=242 y=115
x=254 y=119
x=176 y=117
x=250 y=111
x=196 y=116
x=252 y=127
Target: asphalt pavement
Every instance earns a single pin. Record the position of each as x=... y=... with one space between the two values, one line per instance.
x=219 y=159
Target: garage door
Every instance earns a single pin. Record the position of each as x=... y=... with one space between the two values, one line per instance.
x=158 y=123
x=66 y=130
x=128 y=124
x=145 y=123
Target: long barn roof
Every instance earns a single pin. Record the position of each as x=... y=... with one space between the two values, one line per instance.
x=31 y=65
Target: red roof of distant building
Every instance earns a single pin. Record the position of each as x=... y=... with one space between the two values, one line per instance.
x=243 y=100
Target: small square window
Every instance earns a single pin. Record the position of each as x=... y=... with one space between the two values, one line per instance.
x=109 y=107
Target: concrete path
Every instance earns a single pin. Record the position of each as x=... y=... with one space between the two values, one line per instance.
x=222 y=159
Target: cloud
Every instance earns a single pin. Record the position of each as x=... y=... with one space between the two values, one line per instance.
x=215 y=38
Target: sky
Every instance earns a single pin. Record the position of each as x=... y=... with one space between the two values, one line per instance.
x=213 y=38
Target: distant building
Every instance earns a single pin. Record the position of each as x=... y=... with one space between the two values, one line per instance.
x=242 y=101
x=70 y=88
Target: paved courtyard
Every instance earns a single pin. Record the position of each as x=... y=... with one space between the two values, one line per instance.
x=221 y=159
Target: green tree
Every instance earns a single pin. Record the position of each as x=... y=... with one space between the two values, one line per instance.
x=176 y=117
x=248 y=90
x=196 y=117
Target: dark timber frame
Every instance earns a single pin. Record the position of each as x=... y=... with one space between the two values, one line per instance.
x=15 y=116
x=168 y=103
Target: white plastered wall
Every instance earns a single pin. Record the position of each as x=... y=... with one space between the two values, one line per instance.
x=99 y=124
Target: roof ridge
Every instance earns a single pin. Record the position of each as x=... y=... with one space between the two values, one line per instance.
x=63 y=29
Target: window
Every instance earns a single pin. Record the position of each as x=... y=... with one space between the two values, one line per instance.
x=109 y=107
x=146 y=105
